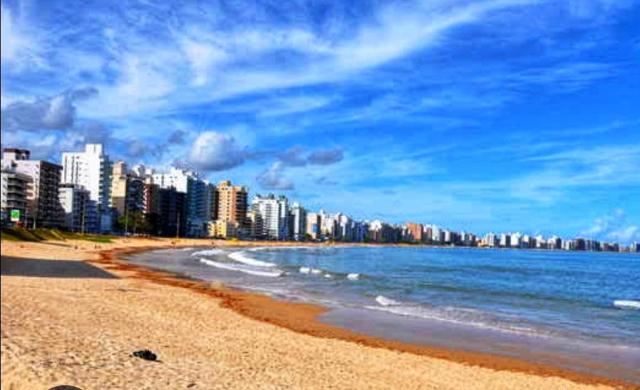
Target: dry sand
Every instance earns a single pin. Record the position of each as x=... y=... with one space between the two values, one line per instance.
x=81 y=331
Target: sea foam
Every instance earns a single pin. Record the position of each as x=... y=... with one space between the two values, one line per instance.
x=353 y=277
x=384 y=301
x=241 y=257
x=627 y=304
x=230 y=267
x=208 y=252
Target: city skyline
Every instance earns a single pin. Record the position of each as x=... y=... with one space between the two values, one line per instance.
x=462 y=115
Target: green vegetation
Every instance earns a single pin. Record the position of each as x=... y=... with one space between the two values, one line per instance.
x=42 y=234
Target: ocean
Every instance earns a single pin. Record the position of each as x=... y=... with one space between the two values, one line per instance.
x=579 y=310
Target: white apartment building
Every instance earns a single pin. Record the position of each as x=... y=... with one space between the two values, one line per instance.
x=298 y=222
x=79 y=211
x=90 y=169
x=271 y=216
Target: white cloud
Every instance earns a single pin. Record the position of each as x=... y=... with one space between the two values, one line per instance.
x=273 y=178
x=614 y=227
x=213 y=151
x=19 y=50
x=202 y=58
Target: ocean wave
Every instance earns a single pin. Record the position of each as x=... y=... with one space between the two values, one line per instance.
x=305 y=270
x=328 y=276
x=384 y=301
x=209 y=252
x=457 y=315
x=230 y=267
x=627 y=304
x=353 y=276
x=240 y=257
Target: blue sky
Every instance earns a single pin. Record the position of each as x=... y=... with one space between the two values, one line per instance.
x=506 y=115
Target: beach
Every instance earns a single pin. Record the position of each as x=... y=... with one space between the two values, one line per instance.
x=77 y=323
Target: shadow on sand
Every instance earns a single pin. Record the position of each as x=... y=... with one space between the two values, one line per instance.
x=13 y=266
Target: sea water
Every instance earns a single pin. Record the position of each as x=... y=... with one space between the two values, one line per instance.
x=575 y=309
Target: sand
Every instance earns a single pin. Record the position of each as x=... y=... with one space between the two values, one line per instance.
x=80 y=329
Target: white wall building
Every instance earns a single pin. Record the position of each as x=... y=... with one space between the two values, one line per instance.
x=298 y=223
x=271 y=216
x=91 y=169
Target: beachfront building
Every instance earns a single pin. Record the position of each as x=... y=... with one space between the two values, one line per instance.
x=328 y=226
x=198 y=207
x=271 y=217
x=91 y=169
x=231 y=206
x=313 y=226
x=415 y=231
x=427 y=233
x=79 y=210
x=119 y=187
x=554 y=243
x=43 y=205
x=505 y=240
x=164 y=210
x=298 y=222
x=490 y=240
x=13 y=200
x=382 y=232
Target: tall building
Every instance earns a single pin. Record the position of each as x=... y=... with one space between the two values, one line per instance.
x=164 y=210
x=416 y=230
x=198 y=199
x=313 y=226
x=79 y=212
x=231 y=205
x=272 y=217
x=328 y=226
x=43 y=205
x=91 y=169
x=13 y=199
x=298 y=222
x=345 y=227
x=119 y=187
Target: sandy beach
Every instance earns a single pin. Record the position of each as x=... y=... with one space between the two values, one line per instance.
x=72 y=313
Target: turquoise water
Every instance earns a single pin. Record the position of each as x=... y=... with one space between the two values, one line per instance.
x=590 y=301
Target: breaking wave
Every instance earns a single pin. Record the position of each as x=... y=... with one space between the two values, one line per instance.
x=237 y=268
x=627 y=304
x=241 y=257
x=209 y=252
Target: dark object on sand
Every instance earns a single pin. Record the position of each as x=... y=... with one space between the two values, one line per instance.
x=145 y=354
x=65 y=387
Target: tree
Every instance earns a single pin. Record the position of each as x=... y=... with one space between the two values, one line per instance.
x=134 y=222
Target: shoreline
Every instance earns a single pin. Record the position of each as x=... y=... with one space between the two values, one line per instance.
x=303 y=317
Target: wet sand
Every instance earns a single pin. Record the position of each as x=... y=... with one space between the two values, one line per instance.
x=81 y=331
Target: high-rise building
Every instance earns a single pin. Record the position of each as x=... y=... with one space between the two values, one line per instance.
x=505 y=240
x=344 y=228
x=43 y=204
x=198 y=206
x=328 y=226
x=231 y=205
x=298 y=222
x=119 y=187
x=91 y=169
x=554 y=243
x=313 y=226
x=272 y=217
x=79 y=212
x=416 y=230
x=13 y=199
